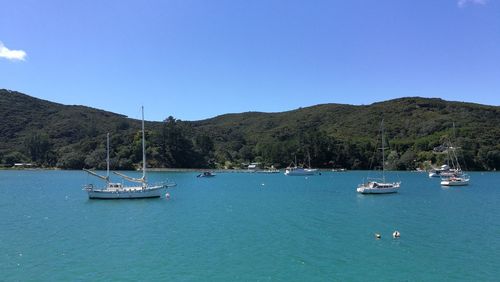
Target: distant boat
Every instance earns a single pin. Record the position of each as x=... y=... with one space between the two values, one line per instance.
x=206 y=174
x=456 y=181
x=456 y=177
x=443 y=171
x=379 y=185
x=270 y=170
x=294 y=170
x=339 y=169
x=118 y=190
x=299 y=171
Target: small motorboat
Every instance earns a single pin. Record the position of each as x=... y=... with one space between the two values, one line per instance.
x=206 y=174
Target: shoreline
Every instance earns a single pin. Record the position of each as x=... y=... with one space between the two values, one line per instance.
x=216 y=170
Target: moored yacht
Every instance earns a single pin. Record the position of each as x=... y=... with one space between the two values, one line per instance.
x=118 y=191
x=294 y=170
x=455 y=176
x=462 y=180
x=373 y=186
x=299 y=171
x=379 y=186
x=443 y=171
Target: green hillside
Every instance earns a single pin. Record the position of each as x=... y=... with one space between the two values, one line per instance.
x=345 y=136
x=330 y=135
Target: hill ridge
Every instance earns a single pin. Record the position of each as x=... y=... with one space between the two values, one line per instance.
x=333 y=134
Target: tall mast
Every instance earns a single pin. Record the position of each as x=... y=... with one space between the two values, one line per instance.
x=309 y=158
x=383 y=152
x=107 y=156
x=143 y=148
x=454 y=157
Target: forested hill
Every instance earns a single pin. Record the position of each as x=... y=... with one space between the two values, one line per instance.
x=330 y=135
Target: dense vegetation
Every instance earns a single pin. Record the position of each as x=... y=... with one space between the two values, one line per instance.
x=330 y=135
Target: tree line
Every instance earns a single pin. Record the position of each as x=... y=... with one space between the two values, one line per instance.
x=176 y=144
x=325 y=136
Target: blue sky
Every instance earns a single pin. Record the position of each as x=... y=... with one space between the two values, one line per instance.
x=195 y=59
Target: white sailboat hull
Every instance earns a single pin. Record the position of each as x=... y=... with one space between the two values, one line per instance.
x=378 y=188
x=128 y=193
x=299 y=171
x=374 y=186
x=118 y=191
x=461 y=182
x=434 y=174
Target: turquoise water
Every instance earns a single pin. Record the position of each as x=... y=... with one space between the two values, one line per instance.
x=249 y=227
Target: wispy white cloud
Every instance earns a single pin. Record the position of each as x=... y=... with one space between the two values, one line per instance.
x=465 y=3
x=13 y=55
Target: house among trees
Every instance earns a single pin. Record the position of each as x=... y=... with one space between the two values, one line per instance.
x=23 y=165
x=253 y=166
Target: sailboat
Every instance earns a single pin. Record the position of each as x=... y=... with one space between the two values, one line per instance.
x=459 y=180
x=458 y=177
x=294 y=170
x=298 y=171
x=379 y=186
x=118 y=190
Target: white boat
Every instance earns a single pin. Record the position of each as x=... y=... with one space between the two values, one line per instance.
x=456 y=181
x=294 y=170
x=443 y=171
x=118 y=190
x=299 y=171
x=375 y=187
x=455 y=176
x=339 y=169
x=379 y=186
x=436 y=172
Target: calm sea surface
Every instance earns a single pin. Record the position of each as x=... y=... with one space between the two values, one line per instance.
x=250 y=227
